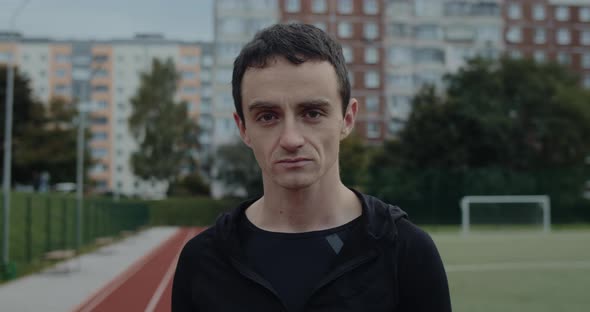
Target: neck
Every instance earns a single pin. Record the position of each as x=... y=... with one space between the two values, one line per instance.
x=323 y=205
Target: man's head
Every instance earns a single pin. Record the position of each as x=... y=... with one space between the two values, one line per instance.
x=293 y=105
x=297 y=43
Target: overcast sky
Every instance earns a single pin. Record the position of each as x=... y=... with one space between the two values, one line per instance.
x=105 y=19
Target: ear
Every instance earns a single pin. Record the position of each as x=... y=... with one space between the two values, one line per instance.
x=349 y=118
x=242 y=128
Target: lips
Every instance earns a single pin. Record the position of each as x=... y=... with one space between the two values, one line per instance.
x=291 y=163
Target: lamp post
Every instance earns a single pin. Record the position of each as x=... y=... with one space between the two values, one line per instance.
x=8 y=141
x=85 y=105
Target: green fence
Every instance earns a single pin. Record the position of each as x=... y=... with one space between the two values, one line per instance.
x=40 y=223
x=432 y=195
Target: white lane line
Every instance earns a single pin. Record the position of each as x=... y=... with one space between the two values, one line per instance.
x=168 y=276
x=506 y=266
x=106 y=291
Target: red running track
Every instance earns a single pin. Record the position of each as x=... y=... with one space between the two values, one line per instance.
x=147 y=284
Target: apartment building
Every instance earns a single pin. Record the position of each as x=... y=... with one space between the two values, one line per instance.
x=550 y=30
x=427 y=38
x=112 y=76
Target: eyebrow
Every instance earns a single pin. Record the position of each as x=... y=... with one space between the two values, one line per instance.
x=315 y=103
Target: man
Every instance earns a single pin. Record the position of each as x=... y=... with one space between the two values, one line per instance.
x=309 y=243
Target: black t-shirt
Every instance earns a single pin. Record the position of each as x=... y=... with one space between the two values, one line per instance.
x=294 y=263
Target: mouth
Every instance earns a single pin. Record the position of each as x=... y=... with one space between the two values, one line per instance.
x=293 y=162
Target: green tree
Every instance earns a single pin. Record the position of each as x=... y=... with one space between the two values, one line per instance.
x=44 y=136
x=511 y=113
x=237 y=168
x=49 y=144
x=354 y=160
x=167 y=136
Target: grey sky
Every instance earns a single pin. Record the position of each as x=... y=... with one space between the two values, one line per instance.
x=105 y=19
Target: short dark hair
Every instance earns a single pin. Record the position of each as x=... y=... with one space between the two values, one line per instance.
x=298 y=43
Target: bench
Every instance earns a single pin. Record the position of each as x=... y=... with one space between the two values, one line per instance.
x=55 y=256
x=103 y=242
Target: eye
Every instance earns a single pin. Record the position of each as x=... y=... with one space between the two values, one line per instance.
x=266 y=117
x=313 y=114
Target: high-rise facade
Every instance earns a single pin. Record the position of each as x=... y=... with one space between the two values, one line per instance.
x=427 y=38
x=550 y=30
x=112 y=77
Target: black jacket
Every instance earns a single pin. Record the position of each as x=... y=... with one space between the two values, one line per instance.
x=393 y=266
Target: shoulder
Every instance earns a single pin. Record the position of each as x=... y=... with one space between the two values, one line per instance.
x=198 y=246
x=414 y=241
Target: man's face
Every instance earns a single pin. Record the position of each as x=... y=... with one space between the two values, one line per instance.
x=294 y=121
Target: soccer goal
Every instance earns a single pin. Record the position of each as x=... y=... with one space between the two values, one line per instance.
x=542 y=200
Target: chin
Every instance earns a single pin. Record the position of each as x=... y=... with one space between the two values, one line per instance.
x=296 y=183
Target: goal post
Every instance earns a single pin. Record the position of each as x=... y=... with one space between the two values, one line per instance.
x=542 y=200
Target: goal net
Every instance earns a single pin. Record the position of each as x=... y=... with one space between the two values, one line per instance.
x=505 y=210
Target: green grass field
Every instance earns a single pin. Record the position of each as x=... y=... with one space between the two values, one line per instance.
x=517 y=271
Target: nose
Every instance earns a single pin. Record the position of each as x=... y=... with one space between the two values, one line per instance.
x=291 y=137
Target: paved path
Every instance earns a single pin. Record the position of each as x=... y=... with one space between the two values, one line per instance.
x=103 y=275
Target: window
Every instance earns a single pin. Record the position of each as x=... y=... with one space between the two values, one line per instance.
x=400 y=56
x=428 y=8
x=372 y=104
x=190 y=107
x=292 y=6
x=586 y=60
x=319 y=6
x=345 y=6
x=99 y=121
x=370 y=6
x=189 y=75
x=540 y=36
x=207 y=61
x=100 y=73
x=514 y=34
x=62 y=58
x=347 y=53
x=100 y=88
x=320 y=25
x=60 y=73
x=539 y=56
x=562 y=13
x=586 y=82
x=190 y=90
x=539 y=12
x=427 y=32
x=370 y=30
x=373 y=130
x=62 y=89
x=102 y=104
x=205 y=75
x=371 y=55
x=223 y=75
x=100 y=58
x=344 y=29
x=429 y=56
x=514 y=11
x=5 y=56
x=585 y=37
x=189 y=60
x=99 y=136
x=563 y=58
x=98 y=169
x=584 y=14
x=372 y=79
x=563 y=36
x=99 y=152
x=515 y=54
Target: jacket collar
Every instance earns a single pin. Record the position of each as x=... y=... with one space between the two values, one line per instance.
x=378 y=220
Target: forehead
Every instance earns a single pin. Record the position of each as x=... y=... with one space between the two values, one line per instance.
x=282 y=81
